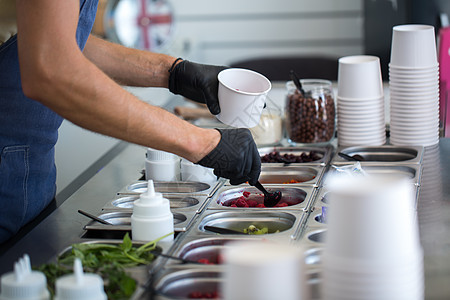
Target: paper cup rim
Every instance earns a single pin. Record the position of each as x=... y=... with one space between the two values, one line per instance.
x=246 y=71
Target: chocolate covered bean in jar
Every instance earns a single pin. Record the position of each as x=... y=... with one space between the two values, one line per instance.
x=310 y=117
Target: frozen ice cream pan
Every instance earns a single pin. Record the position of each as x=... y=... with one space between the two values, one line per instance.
x=382 y=154
x=185 y=187
x=279 y=224
x=121 y=221
x=178 y=202
x=323 y=152
x=296 y=197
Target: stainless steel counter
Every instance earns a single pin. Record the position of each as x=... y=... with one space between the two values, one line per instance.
x=65 y=226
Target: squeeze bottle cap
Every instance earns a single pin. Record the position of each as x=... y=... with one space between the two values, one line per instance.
x=151 y=204
x=23 y=283
x=80 y=286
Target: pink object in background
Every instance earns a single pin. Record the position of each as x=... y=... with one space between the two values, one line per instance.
x=444 y=79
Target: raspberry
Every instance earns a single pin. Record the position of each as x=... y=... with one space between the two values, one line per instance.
x=233 y=205
x=241 y=203
x=246 y=194
x=195 y=295
x=260 y=205
x=204 y=261
x=252 y=203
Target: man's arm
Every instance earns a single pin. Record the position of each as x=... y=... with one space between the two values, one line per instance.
x=56 y=73
x=129 y=66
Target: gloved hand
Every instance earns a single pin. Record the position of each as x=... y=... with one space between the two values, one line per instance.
x=236 y=157
x=196 y=82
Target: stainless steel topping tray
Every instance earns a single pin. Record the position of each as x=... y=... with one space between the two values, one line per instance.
x=286 y=222
x=283 y=175
x=178 y=202
x=290 y=194
x=382 y=154
x=411 y=171
x=179 y=284
x=173 y=187
x=325 y=152
x=122 y=221
x=194 y=248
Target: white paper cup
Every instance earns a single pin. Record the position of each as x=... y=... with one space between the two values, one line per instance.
x=413 y=46
x=360 y=77
x=372 y=218
x=242 y=94
x=263 y=271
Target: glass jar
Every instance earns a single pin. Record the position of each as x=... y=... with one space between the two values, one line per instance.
x=269 y=131
x=310 y=118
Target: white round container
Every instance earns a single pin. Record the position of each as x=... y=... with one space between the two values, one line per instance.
x=194 y=172
x=162 y=166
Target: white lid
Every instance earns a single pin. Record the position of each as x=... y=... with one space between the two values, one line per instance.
x=151 y=204
x=23 y=283
x=80 y=286
x=153 y=154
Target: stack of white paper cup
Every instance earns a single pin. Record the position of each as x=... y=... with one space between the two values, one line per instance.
x=360 y=101
x=263 y=271
x=414 y=86
x=372 y=249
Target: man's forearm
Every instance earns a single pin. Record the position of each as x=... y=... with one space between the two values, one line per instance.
x=128 y=66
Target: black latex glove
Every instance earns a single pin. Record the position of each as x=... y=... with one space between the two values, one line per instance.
x=236 y=157
x=196 y=82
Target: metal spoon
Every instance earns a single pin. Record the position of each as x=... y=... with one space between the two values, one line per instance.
x=222 y=230
x=185 y=261
x=270 y=198
x=355 y=157
x=95 y=218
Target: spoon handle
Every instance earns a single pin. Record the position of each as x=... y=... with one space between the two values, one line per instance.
x=297 y=82
x=260 y=187
x=93 y=217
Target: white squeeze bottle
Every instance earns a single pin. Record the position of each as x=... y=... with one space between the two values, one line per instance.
x=151 y=218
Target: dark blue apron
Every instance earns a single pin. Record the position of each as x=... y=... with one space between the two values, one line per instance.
x=28 y=133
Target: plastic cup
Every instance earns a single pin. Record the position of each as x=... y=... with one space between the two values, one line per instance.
x=372 y=218
x=250 y=266
x=413 y=46
x=360 y=77
x=242 y=94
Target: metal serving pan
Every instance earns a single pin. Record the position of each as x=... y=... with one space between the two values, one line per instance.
x=178 y=202
x=172 y=187
x=286 y=222
x=296 y=196
x=411 y=171
x=194 y=249
x=302 y=174
x=324 y=152
x=180 y=284
x=122 y=221
x=382 y=154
